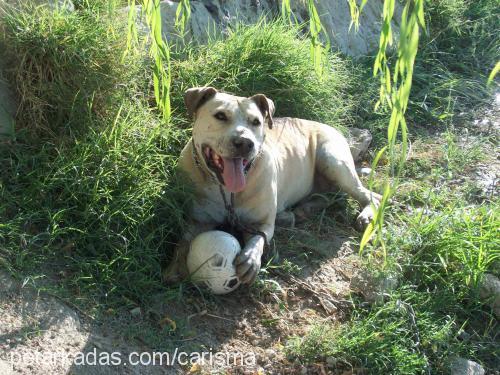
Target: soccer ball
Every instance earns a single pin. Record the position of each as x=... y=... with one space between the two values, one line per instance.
x=210 y=261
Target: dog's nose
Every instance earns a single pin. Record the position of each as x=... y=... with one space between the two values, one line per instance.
x=243 y=145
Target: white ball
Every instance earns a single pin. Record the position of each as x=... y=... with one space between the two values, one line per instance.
x=210 y=261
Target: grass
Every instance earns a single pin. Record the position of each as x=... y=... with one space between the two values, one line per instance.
x=65 y=67
x=91 y=199
x=456 y=56
x=449 y=238
x=443 y=251
x=269 y=58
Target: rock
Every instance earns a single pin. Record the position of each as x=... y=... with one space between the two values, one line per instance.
x=373 y=288
x=462 y=366
x=211 y=17
x=331 y=362
x=489 y=291
x=270 y=353
x=359 y=141
x=136 y=312
x=364 y=171
x=285 y=219
x=336 y=19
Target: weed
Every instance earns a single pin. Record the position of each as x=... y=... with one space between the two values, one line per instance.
x=269 y=58
x=65 y=68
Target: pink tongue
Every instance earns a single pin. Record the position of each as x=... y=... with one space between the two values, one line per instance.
x=234 y=175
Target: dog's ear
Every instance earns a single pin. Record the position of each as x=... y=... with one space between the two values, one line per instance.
x=196 y=96
x=266 y=106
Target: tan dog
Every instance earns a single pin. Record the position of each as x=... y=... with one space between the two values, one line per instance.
x=267 y=170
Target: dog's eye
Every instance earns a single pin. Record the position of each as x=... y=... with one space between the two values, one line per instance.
x=221 y=116
x=256 y=122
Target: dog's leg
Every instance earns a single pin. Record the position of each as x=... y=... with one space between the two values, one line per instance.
x=249 y=260
x=335 y=162
x=177 y=268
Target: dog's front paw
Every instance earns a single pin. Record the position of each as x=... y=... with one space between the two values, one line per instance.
x=248 y=265
x=364 y=218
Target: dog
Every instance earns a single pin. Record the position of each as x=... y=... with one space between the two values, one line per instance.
x=244 y=163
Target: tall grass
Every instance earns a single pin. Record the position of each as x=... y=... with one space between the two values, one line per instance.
x=271 y=58
x=457 y=55
x=65 y=67
x=89 y=195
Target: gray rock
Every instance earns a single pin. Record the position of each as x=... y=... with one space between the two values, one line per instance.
x=359 y=141
x=270 y=353
x=285 y=219
x=336 y=19
x=136 y=312
x=65 y=5
x=489 y=291
x=364 y=171
x=462 y=366
x=210 y=17
x=374 y=288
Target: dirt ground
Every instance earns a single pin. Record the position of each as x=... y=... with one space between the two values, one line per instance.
x=249 y=322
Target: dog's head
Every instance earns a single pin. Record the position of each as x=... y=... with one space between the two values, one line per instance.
x=228 y=132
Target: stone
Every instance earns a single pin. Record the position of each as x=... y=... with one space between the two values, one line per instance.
x=65 y=5
x=364 y=171
x=212 y=17
x=489 y=291
x=331 y=362
x=359 y=141
x=462 y=366
x=270 y=353
x=285 y=219
x=374 y=288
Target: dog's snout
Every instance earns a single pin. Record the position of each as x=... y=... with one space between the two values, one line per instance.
x=243 y=145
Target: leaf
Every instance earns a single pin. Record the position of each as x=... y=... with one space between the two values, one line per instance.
x=493 y=73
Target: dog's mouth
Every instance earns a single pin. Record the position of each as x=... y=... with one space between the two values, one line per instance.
x=231 y=172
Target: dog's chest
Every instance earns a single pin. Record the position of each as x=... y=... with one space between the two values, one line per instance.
x=210 y=207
